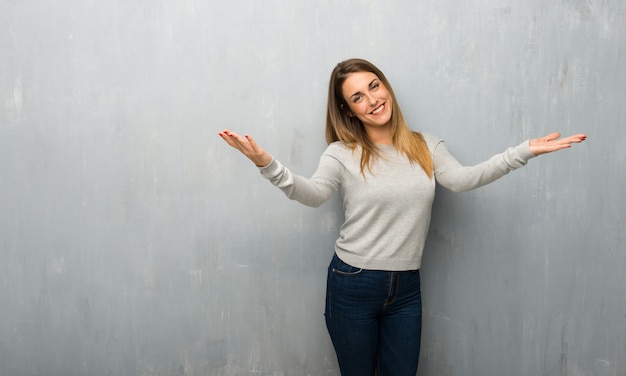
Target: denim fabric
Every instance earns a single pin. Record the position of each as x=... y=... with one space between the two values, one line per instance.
x=374 y=319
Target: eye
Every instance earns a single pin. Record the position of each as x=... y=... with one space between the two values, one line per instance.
x=375 y=86
x=357 y=98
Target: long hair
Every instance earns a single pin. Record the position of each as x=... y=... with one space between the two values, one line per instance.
x=349 y=130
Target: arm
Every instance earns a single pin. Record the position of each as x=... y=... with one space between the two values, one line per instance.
x=458 y=178
x=311 y=192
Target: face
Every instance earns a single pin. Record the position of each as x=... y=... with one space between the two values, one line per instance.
x=368 y=99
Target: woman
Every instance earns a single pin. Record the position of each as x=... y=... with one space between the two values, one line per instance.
x=386 y=174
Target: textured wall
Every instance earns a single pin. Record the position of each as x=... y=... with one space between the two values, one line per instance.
x=133 y=241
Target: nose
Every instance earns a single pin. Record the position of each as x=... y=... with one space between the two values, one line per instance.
x=373 y=101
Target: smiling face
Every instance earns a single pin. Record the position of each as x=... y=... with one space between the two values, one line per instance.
x=368 y=99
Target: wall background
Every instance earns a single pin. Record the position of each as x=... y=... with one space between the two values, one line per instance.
x=135 y=242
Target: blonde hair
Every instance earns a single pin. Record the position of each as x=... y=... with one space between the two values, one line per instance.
x=349 y=130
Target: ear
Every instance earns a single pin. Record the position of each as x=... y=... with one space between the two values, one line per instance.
x=343 y=108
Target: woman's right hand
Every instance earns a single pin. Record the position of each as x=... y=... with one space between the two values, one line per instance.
x=248 y=147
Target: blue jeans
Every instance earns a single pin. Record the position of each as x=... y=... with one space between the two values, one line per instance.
x=374 y=319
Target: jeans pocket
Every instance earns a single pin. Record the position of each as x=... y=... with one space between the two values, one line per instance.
x=343 y=269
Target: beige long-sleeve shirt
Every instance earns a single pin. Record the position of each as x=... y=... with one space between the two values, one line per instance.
x=388 y=211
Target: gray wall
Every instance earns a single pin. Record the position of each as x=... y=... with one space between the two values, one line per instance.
x=133 y=241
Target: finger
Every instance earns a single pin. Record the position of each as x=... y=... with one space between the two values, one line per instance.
x=252 y=143
x=224 y=135
x=236 y=141
x=574 y=139
x=552 y=136
x=578 y=137
x=231 y=135
x=230 y=139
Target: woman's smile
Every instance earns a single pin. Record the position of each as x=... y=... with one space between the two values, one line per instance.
x=368 y=99
x=378 y=110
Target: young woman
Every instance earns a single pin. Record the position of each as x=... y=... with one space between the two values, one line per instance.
x=386 y=175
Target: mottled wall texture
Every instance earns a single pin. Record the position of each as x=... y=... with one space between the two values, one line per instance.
x=134 y=241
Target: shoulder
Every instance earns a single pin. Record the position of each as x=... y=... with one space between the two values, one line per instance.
x=338 y=150
x=431 y=140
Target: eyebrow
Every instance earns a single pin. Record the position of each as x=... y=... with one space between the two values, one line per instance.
x=358 y=92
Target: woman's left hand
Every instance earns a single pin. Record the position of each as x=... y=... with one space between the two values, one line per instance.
x=552 y=142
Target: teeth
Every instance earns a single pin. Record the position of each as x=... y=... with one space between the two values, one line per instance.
x=378 y=110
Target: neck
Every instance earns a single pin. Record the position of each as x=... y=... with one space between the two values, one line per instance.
x=379 y=135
